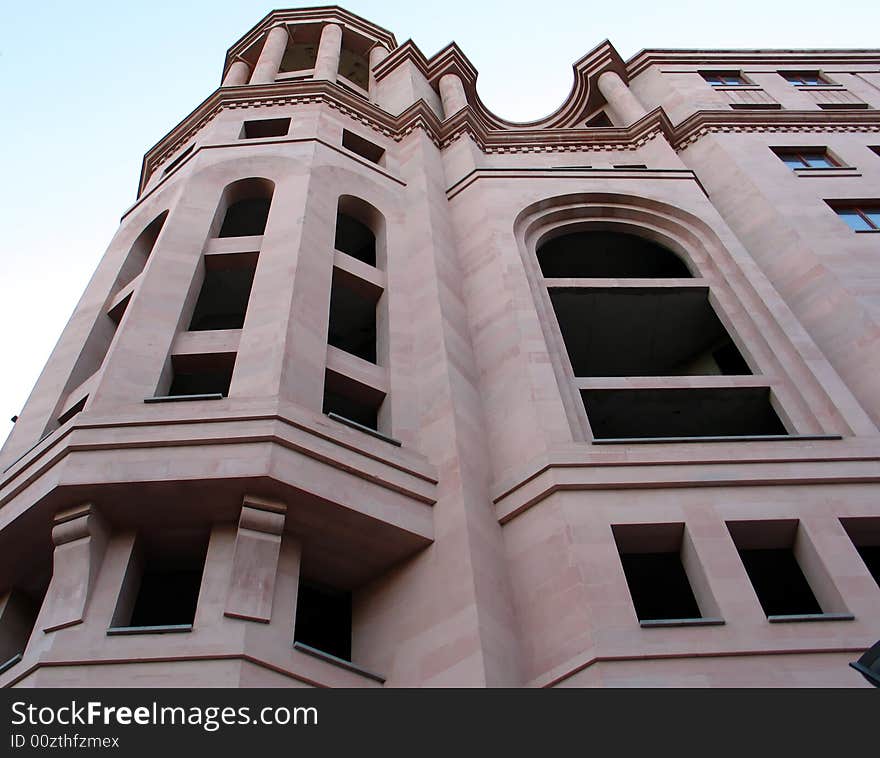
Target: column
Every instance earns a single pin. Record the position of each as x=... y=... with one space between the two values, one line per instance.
x=378 y=53
x=270 y=56
x=329 y=49
x=452 y=94
x=255 y=562
x=621 y=99
x=80 y=539
x=238 y=74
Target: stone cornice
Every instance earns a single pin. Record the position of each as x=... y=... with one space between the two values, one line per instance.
x=492 y=138
x=706 y=122
x=802 y=58
x=317 y=14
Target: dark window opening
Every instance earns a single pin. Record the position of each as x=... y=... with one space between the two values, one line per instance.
x=202 y=374
x=162 y=583
x=644 y=331
x=355 y=68
x=630 y=165
x=361 y=146
x=600 y=120
x=118 y=311
x=697 y=412
x=72 y=411
x=865 y=535
x=655 y=574
x=842 y=106
x=225 y=292
x=613 y=255
x=323 y=619
x=767 y=550
x=18 y=614
x=779 y=582
x=263 y=128
x=352 y=400
x=353 y=315
x=246 y=218
x=140 y=251
x=178 y=160
x=355 y=238
x=299 y=56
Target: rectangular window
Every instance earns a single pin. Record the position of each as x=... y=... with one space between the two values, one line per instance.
x=353 y=303
x=806 y=157
x=865 y=535
x=804 y=78
x=225 y=292
x=786 y=572
x=724 y=78
x=162 y=581
x=196 y=375
x=352 y=402
x=178 y=160
x=263 y=128
x=323 y=619
x=860 y=216
x=662 y=570
x=361 y=146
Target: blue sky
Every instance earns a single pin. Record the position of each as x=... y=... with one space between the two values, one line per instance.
x=88 y=87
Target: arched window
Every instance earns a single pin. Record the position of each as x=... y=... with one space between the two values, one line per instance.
x=140 y=251
x=358 y=227
x=634 y=316
x=244 y=208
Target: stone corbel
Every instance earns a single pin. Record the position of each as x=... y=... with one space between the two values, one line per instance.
x=255 y=561
x=80 y=538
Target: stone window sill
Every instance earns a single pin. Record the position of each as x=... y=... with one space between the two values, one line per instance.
x=5 y=666
x=365 y=429
x=336 y=661
x=183 y=398
x=798 y=617
x=662 y=623
x=118 y=631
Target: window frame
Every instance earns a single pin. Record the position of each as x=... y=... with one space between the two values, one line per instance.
x=797 y=78
x=803 y=153
x=742 y=80
x=863 y=209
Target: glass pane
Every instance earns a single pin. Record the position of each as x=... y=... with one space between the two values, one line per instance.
x=812 y=80
x=733 y=80
x=792 y=161
x=855 y=221
x=818 y=160
x=874 y=215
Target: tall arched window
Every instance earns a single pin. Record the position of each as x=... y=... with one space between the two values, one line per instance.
x=634 y=321
x=140 y=251
x=244 y=208
x=360 y=230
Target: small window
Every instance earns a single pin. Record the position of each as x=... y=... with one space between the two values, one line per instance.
x=806 y=157
x=865 y=535
x=72 y=411
x=600 y=120
x=352 y=401
x=657 y=561
x=266 y=127
x=724 y=78
x=162 y=581
x=208 y=374
x=804 y=78
x=353 y=315
x=361 y=146
x=861 y=216
x=323 y=619
x=771 y=552
x=630 y=165
x=225 y=292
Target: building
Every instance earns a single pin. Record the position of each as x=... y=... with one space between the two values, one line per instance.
x=374 y=388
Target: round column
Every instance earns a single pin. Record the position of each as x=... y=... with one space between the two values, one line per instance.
x=378 y=53
x=452 y=94
x=329 y=50
x=238 y=74
x=270 y=56
x=621 y=99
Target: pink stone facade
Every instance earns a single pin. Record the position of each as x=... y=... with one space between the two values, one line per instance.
x=474 y=530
